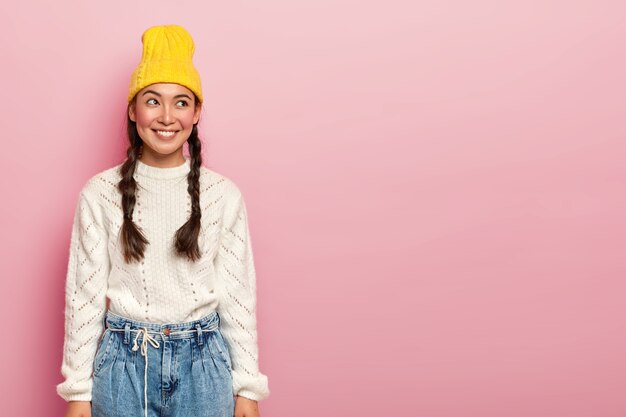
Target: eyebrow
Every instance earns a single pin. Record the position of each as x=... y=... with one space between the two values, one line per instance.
x=155 y=93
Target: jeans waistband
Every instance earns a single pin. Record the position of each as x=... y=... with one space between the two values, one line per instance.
x=185 y=330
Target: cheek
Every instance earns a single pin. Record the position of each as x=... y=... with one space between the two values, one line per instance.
x=143 y=119
x=187 y=120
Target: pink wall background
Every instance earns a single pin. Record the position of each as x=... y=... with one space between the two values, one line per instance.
x=436 y=193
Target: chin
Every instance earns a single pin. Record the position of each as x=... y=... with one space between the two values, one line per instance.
x=162 y=150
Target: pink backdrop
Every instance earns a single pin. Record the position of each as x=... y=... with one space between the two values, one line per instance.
x=436 y=193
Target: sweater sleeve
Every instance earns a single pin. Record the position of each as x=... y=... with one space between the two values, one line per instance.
x=85 y=298
x=234 y=266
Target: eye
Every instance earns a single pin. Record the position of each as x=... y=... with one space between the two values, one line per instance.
x=149 y=100
x=185 y=104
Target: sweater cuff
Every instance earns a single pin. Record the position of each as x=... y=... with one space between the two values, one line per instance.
x=251 y=395
x=76 y=397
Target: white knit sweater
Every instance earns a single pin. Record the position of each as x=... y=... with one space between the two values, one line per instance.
x=163 y=288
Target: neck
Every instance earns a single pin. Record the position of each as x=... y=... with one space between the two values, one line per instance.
x=149 y=157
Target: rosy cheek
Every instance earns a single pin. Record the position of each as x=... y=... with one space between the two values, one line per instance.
x=187 y=120
x=143 y=119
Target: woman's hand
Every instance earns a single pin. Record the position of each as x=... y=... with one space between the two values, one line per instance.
x=78 y=409
x=245 y=407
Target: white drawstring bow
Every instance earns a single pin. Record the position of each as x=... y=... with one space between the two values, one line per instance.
x=144 y=351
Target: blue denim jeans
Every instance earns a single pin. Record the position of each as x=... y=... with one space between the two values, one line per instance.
x=161 y=370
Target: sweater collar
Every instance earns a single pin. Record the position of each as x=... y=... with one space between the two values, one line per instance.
x=145 y=170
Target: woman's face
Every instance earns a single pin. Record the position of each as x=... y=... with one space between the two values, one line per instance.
x=165 y=115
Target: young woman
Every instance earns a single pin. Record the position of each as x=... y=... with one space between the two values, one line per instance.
x=161 y=289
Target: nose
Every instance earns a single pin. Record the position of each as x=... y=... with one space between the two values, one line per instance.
x=166 y=116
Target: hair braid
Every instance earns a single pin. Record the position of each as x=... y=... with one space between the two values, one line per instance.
x=187 y=235
x=133 y=240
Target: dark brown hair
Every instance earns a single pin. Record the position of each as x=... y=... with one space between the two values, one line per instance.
x=186 y=238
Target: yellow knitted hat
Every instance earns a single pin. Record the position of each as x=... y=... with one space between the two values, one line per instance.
x=166 y=58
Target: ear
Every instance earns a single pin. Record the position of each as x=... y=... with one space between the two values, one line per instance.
x=131 y=112
x=196 y=113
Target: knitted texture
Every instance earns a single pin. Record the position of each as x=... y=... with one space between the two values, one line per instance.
x=164 y=287
x=167 y=57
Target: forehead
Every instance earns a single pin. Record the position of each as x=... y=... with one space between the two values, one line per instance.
x=167 y=89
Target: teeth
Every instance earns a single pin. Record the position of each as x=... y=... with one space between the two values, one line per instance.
x=164 y=133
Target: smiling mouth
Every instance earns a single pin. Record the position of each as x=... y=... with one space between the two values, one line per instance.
x=166 y=133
